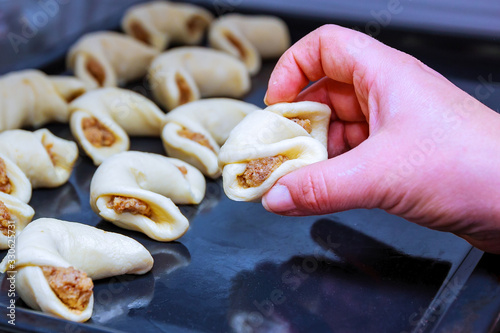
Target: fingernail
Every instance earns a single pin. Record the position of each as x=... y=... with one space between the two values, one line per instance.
x=278 y=200
x=265 y=99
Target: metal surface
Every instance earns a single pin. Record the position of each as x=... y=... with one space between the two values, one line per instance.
x=240 y=268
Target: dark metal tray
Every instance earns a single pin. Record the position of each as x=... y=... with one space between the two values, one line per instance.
x=240 y=268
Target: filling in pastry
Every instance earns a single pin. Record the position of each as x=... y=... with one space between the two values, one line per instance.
x=74 y=95
x=237 y=44
x=48 y=147
x=73 y=287
x=5 y=218
x=305 y=123
x=96 y=70
x=96 y=133
x=195 y=24
x=196 y=137
x=183 y=170
x=5 y=185
x=139 y=32
x=129 y=205
x=184 y=90
x=258 y=170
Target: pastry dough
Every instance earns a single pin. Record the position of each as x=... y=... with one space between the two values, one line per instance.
x=209 y=121
x=250 y=38
x=108 y=59
x=44 y=158
x=264 y=147
x=159 y=23
x=117 y=112
x=13 y=181
x=14 y=216
x=137 y=191
x=31 y=98
x=60 y=244
x=186 y=74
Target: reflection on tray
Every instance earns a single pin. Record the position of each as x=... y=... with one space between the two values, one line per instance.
x=56 y=202
x=359 y=294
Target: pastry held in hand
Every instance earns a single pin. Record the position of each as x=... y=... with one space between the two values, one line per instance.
x=14 y=216
x=56 y=260
x=101 y=121
x=109 y=59
x=158 y=23
x=44 y=158
x=195 y=131
x=186 y=74
x=137 y=191
x=250 y=38
x=31 y=98
x=262 y=148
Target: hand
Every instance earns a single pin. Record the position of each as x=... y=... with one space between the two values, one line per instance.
x=402 y=138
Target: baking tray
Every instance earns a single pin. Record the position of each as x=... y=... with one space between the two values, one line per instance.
x=242 y=269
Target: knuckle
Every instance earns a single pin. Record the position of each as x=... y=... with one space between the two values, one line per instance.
x=313 y=196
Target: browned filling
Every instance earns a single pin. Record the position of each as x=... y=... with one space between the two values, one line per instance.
x=4 y=219
x=52 y=155
x=258 y=170
x=184 y=89
x=129 y=205
x=139 y=32
x=5 y=185
x=73 y=287
x=196 y=137
x=74 y=95
x=96 y=133
x=195 y=24
x=96 y=70
x=237 y=44
x=183 y=170
x=305 y=123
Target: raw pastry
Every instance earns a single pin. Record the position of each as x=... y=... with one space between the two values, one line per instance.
x=56 y=260
x=14 y=216
x=44 y=158
x=108 y=59
x=31 y=98
x=250 y=38
x=266 y=146
x=186 y=74
x=159 y=23
x=13 y=181
x=137 y=191
x=195 y=131
x=101 y=120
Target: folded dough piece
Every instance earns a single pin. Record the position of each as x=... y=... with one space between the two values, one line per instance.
x=264 y=147
x=158 y=23
x=44 y=158
x=31 y=98
x=137 y=191
x=13 y=181
x=14 y=216
x=185 y=74
x=107 y=59
x=55 y=261
x=101 y=120
x=195 y=131
x=250 y=38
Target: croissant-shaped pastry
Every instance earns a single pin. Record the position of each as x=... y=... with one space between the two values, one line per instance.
x=195 y=131
x=56 y=260
x=14 y=216
x=250 y=38
x=13 y=181
x=109 y=59
x=137 y=191
x=101 y=120
x=158 y=23
x=31 y=98
x=264 y=147
x=44 y=158
x=185 y=74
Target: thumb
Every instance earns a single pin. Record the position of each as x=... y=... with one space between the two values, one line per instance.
x=351 y=180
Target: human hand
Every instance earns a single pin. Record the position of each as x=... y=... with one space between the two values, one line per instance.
x=402 y=138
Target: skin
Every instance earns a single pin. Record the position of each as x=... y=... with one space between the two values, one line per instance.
x=402 y=138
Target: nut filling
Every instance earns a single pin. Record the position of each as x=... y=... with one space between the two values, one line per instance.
x=195 y=24
x=305 y=123
x=139 y=32
x=96 y=70
x=72 y=287
x=196 y=137
x=5 y=185
x=237 y=44
x=48 y=147
x=183 y=170
x=184 y=90
x=129 y=205
x=97 y=134
x=258 y=170
x=5 y=219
